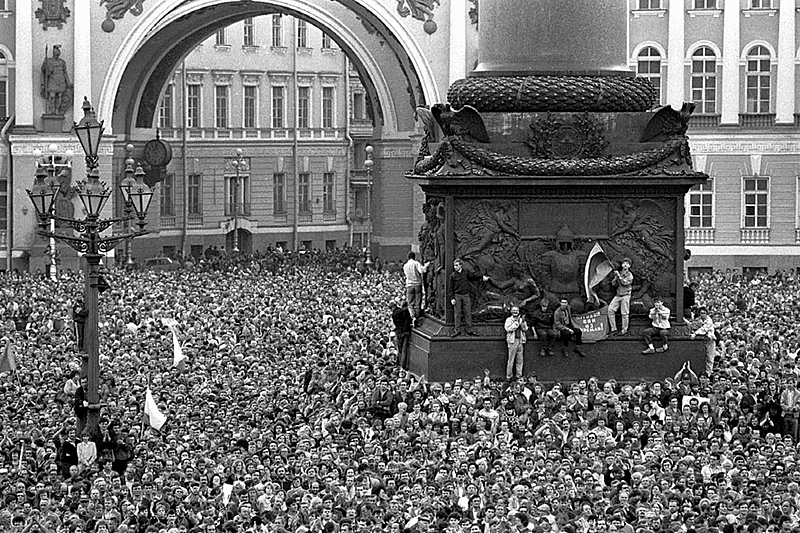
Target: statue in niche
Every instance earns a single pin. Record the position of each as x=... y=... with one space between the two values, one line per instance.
x=55 y=85
x=65 y=208
x=562 y=271
x=489 y=230
x=500 y=296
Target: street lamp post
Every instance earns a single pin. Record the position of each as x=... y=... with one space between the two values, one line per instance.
x=93 y=194
x=52 y=167
x=238 y=163
x=368 y=163
x=128 y=182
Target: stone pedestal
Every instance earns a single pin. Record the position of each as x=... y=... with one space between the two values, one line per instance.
x=53 y=123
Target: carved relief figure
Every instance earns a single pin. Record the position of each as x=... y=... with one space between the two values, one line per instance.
x=642 y=226
x=562 y=270
x=55 y=84
x=65 y=208
x=500 y=296
x=489 y=230
x=431 y=239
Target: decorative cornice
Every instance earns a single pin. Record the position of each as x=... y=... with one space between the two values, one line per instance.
x=304 y=79
x=194 y=77
x=222 y=77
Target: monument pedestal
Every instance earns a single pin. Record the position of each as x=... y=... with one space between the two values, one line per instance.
x=52 y=123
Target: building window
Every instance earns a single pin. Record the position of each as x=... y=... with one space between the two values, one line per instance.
x=250 y=106
x=165 y=110
x=221 y=106
x=760 y=4
x=648 y=65
x=193 y=106
x=758 y=80
x=277 y=107
x=327 y=107
x=167 y=198
x=238 y=203
x=304 y=198
x=195 y=199
x=756 y=202
x=220 y=39
x=277 y=31
x=358 y=106
x=302 y=34
x=705 y=4
x=649 y=4
x=704 y=80
x=279 y=194
x=327 y=42
x=249 y=32
x=701 y=205
x=303 y=107
x=328 y=191
x=3 y=204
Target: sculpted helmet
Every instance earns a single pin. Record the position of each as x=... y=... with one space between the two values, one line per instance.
x=565 y=235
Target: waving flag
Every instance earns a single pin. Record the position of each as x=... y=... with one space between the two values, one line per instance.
x=178 y=358
x=8 y=362
x=597 y=268
x=152 y=416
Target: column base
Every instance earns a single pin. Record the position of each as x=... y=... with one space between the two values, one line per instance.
x=53 y=123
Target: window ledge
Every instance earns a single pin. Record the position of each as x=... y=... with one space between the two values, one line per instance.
x=278 y=50
x=759 y=12
x=649 y=13
x=250 y=48
x=329 y=51
x=304 y=50
x=704 y=12
x=222 y=47
x=5 y=13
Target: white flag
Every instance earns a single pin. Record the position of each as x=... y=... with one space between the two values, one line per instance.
x=152 y=415
x=178 y=355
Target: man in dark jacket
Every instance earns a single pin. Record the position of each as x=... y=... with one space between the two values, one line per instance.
x=402 y=330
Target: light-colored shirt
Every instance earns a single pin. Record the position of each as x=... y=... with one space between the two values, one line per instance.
x=623 y=280
x=660 y=319
x=413 y=270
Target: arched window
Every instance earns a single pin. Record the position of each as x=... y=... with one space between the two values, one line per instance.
x=758 y=80
x=648 y=65
x=704 y=80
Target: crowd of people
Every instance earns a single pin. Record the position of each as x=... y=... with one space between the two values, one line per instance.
x=292 y=415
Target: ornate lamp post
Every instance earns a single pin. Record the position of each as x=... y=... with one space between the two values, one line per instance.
x=93 y=194
x=52 y=166
x=368 y=163
x=238 y=164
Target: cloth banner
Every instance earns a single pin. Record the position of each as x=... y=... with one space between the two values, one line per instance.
x=152 y=416
x=8 y=362
x=597 y=268
x=593 y=324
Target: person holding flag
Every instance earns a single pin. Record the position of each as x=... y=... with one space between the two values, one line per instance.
x=623 y=281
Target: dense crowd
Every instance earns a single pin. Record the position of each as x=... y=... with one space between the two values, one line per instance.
x=292 y=415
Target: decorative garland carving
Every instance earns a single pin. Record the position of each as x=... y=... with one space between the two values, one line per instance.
x=117 y=9
x=553 y=93
x=672 y=158
x=420 y=10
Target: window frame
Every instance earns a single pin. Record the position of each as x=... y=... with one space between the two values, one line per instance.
x=243 y=197
x=196 y=111
x=647 y=5
x=758 y=193
x=281 y=108
x=227 y=106
x=304 y=107
x=279 y=193
x=167 y=98
x=703 y=76
x=255 y=117
x=704 y=4
x=277 y=30
x=763 y=55
x=166 y=202
x=650 y=60
x=304 y=200
x=5 y=106
x=760 y=4
x=302 y=34
x=329 y=121
x=701 y=193
x=248 y=32
x=329 y=192
x=194 y=199
x=327 y=41
x=221 y=37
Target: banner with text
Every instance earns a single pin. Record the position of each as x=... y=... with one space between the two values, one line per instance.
x=593 y=324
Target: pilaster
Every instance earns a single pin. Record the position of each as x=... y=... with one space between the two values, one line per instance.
x=730 y=64
x=23 y=90
x=82 y=44
x=785 y=94
x=675 y=52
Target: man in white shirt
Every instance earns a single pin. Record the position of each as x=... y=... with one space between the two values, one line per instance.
x=659 y=318
x=414 y=272
x=705 y=330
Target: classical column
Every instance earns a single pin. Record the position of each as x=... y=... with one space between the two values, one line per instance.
x=676 y=50
x=24 y=88
x=458 y=40
x=729 y=85
x=82 y=58
x=521 y=37
x=784 y=94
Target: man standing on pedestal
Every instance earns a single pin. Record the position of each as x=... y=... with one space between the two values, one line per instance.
x=623 y=281
x=516 y=327
x=462 y=301
x=414 y=272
